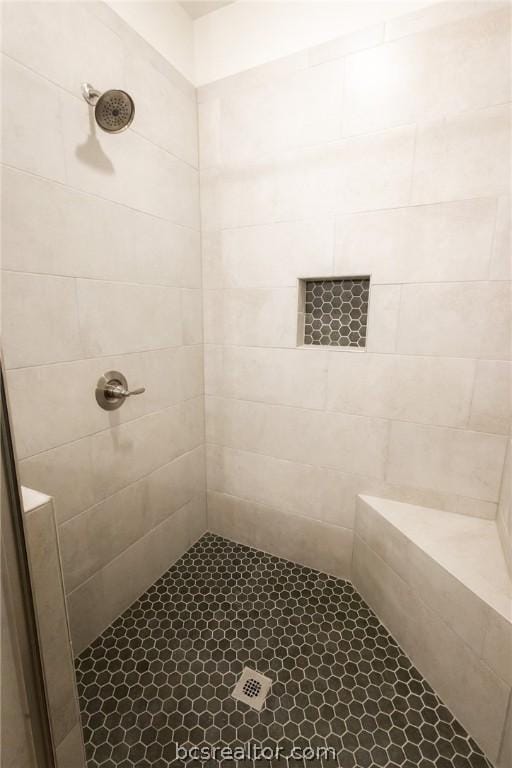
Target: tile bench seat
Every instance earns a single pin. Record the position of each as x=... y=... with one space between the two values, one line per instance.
x=439 y=582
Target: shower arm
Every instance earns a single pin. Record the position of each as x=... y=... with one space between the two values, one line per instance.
x=90 y=94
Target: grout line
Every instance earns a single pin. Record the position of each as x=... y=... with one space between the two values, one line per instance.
x=247 y=287
x=448 y=496
x=365 y=416
x=292 y=152
x=111 y=355
x=113 y=281
x=79 y=191
x=334 y=350
x=360 y=212
x=131 y=484
x=283 y=511
x=112 y=427
x=337 y=276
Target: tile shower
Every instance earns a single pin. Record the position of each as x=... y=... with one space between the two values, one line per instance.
x=307 y=267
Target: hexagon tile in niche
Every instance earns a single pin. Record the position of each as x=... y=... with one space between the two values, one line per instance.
x=162 y=674
x=336 y=311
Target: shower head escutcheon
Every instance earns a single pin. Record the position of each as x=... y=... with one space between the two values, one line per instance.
x=113 y=110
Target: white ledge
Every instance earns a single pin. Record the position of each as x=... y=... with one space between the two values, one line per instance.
x=469 y=548
x=33 y=499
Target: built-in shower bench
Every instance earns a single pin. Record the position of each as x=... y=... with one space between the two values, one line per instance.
x=439 y=581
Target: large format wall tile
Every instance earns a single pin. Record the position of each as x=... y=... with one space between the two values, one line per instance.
x=163 y=253
x=47 y=414
x=208 y=116
x=312 y=491
x=275 y=255
x=436 y=15
x=43 y=41
x=426 y=243
x=303 y=108
x=358 y=173
x=463 y=156
x=464 y=319
x=456 y=461
x=501 y=263
x=192 y=316
x=155 y=93
x=52 y=229
x=491 y=405
x=383 y=317
x=289 y=377
x=346 y=44
x=52 y=622
x=432 y=390
x=117 y=318
x=93 y=538
x=33 y=308
x=31 y=113
x=405 y=80
x=504 y=516
x=123 y=454
x=348 y=443
x=66 y=473
x=295 y=538
x=251 y=317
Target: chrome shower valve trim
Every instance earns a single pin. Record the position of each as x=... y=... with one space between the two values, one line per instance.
x=112 y=390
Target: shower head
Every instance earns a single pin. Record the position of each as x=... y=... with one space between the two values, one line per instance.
x=113 y=110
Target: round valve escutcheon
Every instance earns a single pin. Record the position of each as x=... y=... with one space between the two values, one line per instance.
x=112 y=390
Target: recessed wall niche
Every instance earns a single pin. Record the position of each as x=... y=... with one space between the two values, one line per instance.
x=333 y=311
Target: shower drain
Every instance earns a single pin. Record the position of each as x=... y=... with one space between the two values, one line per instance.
x=252 y=688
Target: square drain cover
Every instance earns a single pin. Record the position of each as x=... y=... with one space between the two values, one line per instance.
x=252 y=688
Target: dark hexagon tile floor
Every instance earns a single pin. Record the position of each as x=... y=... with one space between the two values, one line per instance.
x=163 y=672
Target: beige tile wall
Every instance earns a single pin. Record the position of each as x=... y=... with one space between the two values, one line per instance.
x=505 y=509
x=102 y=270
x=53 y=629
x=360 y=156
x=16 y=745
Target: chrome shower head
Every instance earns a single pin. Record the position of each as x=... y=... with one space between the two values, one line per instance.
x=113 y=110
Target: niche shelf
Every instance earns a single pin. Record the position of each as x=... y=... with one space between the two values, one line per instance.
x=333 y=311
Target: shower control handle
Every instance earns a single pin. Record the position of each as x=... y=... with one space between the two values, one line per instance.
x=112 y=390
x=115 y=391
